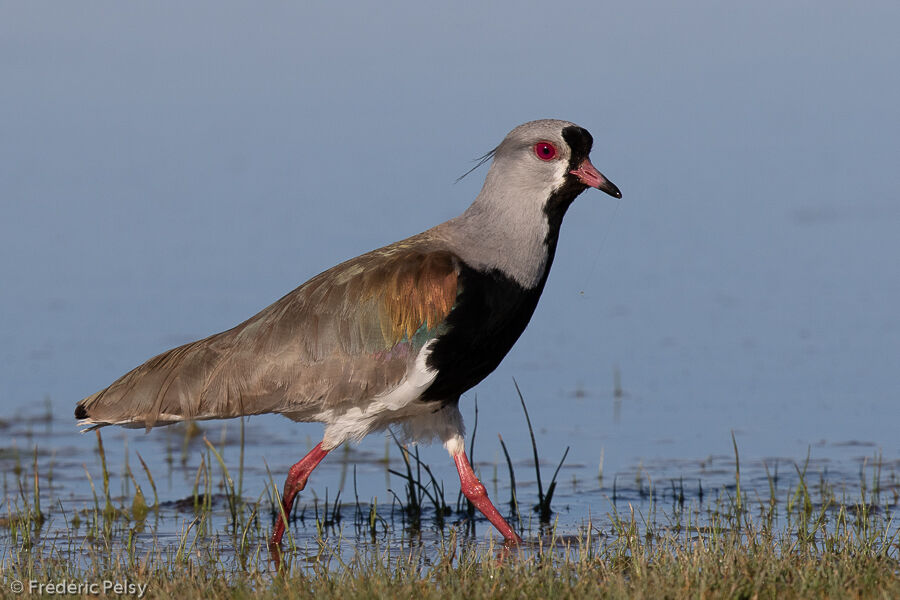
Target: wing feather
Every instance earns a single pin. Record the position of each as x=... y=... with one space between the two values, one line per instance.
x=344 y=337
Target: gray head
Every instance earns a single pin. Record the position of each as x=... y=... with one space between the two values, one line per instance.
x=548 y=155
x=537 y=171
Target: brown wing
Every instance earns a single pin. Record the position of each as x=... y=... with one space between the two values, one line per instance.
x=344 y=336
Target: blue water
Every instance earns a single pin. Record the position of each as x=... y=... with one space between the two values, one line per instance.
x=168 y=171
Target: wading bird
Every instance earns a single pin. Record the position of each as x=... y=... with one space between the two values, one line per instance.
x=392 y=337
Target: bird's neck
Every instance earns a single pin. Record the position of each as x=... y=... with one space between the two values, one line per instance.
x=508 y=233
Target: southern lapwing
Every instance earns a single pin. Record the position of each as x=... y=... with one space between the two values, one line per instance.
x=392 y=337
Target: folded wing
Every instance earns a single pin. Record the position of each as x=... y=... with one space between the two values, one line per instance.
x=344 y=337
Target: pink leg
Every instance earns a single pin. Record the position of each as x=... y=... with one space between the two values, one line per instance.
x=477 y=495
x=296 y=481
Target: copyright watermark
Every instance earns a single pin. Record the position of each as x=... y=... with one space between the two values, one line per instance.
x=123 y=587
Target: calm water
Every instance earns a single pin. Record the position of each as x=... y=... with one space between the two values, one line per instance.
x=165 y=178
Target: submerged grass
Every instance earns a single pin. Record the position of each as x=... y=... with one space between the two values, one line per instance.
x=804 y=540
x=718 y=560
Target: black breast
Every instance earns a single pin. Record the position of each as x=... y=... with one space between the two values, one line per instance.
x=490 y=314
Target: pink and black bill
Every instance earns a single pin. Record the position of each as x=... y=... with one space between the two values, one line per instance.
x=580 y=141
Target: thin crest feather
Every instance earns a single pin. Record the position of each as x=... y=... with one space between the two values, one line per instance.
x=478 y=162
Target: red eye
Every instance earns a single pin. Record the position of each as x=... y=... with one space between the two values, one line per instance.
x=545 y=150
